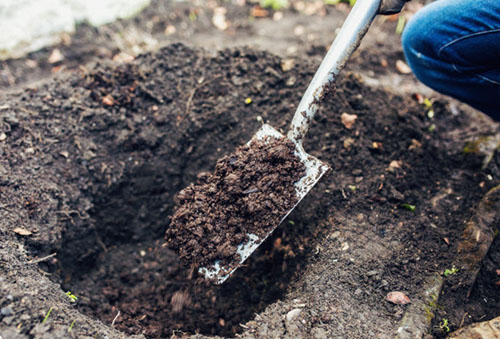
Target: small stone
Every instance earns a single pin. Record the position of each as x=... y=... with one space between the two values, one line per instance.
x=108 y=100
x=396 y=164
x=219 y=18
x=8 y=320
x=64 y=153
x=7 y=310
x=293 y=314
x=348 y=120
x=319 y=333
x=55 y=56
x=398 y=298
x=287 y=64
x=3 y=136
x=169 y=30
x=402 y=67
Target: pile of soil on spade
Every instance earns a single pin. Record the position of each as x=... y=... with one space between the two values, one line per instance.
x=250 y=192
x=91 y=163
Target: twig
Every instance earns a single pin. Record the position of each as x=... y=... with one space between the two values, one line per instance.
x=116 y=317
x=36 y=261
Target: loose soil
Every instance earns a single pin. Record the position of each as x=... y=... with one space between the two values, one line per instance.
x=250 y=192
x=92 y=161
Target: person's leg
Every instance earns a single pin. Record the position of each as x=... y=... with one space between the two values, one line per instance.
x=453 y=46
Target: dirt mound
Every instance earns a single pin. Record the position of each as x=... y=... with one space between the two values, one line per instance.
x=91 y=164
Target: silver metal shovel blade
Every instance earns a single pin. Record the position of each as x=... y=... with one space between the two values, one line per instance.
x=314 y=171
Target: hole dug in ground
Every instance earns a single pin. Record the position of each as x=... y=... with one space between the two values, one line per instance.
x=123 y=266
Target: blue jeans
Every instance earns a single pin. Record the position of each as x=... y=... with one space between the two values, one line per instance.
x=453 y=46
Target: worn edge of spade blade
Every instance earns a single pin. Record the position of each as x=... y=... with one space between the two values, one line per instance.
x=315 y=169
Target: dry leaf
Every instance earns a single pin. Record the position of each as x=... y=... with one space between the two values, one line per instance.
x=402 y=67
x=22 y=231
x=398 y=298
x=348 y=119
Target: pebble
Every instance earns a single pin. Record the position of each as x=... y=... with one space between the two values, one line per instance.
x=318 y=333
x=7 y=310
x=8 y=320
x=398 y=298
x=293 y=314
x=348 y=120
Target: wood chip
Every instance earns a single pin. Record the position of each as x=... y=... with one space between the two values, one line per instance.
x=22 y=231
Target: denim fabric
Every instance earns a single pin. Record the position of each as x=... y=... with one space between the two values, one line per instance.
x=453 y=46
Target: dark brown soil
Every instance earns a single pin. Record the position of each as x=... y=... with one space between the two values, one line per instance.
x=92 y=161
x=250 y=192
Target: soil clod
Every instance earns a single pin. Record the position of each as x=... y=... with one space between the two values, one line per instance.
x=249 y=193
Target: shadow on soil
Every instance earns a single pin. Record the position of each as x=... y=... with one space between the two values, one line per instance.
x=122 y=265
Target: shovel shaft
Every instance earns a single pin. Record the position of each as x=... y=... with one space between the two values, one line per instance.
x=348 y=39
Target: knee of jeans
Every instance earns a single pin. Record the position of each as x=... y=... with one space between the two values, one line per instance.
x=424 y=33
x=412 y=47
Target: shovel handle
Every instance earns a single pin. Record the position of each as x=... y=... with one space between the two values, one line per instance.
x=348 y=39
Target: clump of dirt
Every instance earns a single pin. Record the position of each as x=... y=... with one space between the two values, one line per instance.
x=250 y=192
